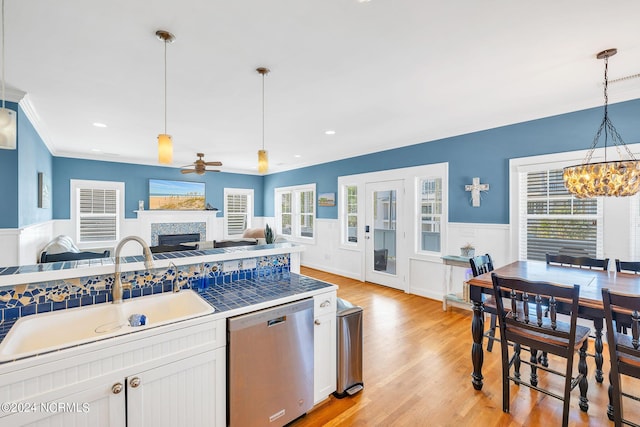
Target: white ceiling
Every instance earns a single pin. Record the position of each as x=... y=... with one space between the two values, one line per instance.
x=382 y=74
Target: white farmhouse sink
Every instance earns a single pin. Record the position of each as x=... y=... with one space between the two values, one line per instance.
x=50 y=331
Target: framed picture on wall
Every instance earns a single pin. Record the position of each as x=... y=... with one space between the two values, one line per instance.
x=327 y=199
x=176 y=195
x=43 y=191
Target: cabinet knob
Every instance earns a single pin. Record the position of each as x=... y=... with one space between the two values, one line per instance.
x=317 y=321
x=134 y=382
x=116 y=388
x=326 y=303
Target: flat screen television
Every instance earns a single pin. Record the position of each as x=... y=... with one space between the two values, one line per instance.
x=176 y=195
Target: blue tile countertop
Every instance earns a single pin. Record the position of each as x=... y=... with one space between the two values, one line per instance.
x=242 y=293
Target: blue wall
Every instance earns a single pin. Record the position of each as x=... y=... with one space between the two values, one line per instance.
x=136 y=179
x=33 y=157
x=9 y=180
x=484 y=154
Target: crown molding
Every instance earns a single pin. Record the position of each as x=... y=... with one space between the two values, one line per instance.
x=12 y=94
x=34 y=118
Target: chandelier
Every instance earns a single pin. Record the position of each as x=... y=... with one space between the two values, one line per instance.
x=608 y=178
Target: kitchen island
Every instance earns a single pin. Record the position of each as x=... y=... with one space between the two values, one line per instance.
x=181 y=366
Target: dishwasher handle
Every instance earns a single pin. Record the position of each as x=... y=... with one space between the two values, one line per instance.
x=276 y=321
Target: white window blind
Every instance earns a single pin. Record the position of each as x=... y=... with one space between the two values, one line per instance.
x=554 y=221
x=98 y=215
x=237 y=211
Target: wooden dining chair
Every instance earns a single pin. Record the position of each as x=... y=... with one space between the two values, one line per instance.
x=624 y=349
x=632 y=267
x=479 y=265
x=522 y=326
x=586 y=262
x=578 y=261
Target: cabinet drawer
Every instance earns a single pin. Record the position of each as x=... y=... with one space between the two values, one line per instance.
x=324 y=303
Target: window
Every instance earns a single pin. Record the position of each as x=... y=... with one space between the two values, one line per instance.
x=351 y=213
x=96 y=206
x=430 y=214
x=238 y=210
x=295 y=211
x=554 y=221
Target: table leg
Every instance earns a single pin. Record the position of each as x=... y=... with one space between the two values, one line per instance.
x=598 y=324
x=477 y=354
x=584 y=384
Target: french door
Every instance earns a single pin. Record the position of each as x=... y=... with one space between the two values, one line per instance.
x=385 y=256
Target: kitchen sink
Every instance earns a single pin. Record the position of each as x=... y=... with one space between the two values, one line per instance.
x=50 y=331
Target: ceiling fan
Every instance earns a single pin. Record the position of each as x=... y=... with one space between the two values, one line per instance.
x=200 y=166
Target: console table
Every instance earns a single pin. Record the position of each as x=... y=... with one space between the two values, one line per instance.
x=449 y=296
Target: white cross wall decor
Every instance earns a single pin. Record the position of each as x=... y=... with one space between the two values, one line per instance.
x=475 y=190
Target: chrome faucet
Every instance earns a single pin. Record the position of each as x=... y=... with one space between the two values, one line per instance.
x=175 y=282
x=116 y=289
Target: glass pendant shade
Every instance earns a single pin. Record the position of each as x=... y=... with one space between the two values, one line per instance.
x=263 y=161
x=7 y=129
x=165 y=149
x=618 y=178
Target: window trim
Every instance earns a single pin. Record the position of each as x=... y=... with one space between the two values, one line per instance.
x=418 y=213
x=77 y=184
x=523 y=165
x=249 y=192
x=295 y=190
x=344 y=214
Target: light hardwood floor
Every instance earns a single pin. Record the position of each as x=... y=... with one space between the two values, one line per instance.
x=417 y=371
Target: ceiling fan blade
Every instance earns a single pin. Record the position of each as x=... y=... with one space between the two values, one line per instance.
x=213 y=163
x=187 y=171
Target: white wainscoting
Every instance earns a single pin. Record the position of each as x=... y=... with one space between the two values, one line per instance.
x=426 y=274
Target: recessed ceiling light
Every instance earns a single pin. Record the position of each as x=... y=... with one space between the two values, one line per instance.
x=96 y=150
x=330 y=132
x=297 y=156
x=364 y=1
x=99 y=125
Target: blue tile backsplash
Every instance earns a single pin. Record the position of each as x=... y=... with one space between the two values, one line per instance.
x=26 y=299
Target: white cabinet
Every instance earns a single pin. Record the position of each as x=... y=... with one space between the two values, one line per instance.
x=174 y=375
x=189 y=392
x=324 y=346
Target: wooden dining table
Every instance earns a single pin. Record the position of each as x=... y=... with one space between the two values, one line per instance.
x=590 y=305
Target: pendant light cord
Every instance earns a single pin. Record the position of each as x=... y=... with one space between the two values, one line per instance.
x=3 y=97
x=606 y=104
x=165 y=86
x=262 y=110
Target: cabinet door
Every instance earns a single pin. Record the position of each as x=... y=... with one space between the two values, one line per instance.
x=189 y=392
x=324 y=347
x=101 y=404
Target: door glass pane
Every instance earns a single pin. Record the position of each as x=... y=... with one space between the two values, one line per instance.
x=384 y=231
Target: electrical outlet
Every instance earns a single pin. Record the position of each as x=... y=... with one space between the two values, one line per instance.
x=249 y=264
x=230 y=266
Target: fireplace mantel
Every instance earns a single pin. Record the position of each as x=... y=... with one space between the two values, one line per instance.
x=186 y=215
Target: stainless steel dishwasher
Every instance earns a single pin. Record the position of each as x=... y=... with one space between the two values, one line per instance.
x=270 y=365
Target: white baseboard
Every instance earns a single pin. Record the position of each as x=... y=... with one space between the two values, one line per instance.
x=343 y=273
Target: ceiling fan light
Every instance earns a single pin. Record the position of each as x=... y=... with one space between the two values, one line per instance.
x=7 y=129
x=165 y=149
x=263 y=161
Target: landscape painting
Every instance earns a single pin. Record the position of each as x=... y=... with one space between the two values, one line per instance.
x=176 y=195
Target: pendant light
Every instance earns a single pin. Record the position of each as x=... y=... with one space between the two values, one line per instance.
x=7 y=116
x=263 y=160
x=165 y=145
x=608 y=178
